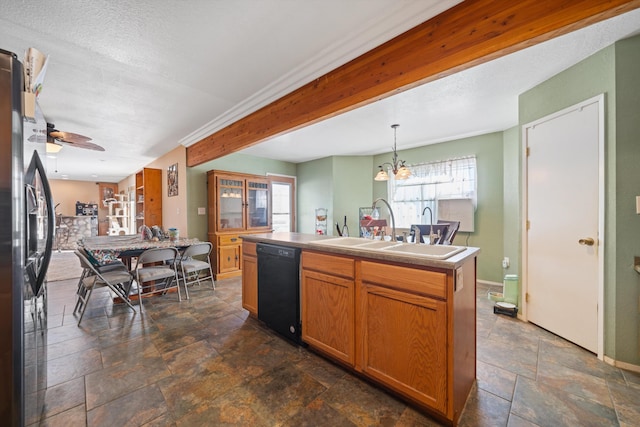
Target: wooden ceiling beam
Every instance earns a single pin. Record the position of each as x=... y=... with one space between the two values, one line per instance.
x=473 y=32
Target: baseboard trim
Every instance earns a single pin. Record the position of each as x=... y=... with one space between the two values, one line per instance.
x=623 y=365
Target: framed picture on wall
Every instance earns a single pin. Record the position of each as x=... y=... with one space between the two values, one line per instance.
x=172 y=180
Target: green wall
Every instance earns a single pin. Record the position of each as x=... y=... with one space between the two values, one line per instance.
x=612 y=71
x=344 y=184
x=197 y=183
x=315 y=185
x=351 y=189
x=511 y=198
x=488 y=233
x=341 y=184
x=627 y=182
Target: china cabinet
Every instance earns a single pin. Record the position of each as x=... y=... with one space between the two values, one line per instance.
x=237 y=204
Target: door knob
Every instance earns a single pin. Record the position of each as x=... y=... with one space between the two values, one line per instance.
x=587 y=241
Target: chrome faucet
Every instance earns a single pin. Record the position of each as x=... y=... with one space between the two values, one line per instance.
x=393 y=220
x=430 y=223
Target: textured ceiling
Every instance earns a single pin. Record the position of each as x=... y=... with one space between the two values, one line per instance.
x=476 y=101
x=142 y=77
x=138 y=77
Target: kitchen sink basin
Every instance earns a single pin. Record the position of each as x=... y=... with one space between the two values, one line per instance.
x=355 y=242
x=430 y=251
x=341 y=242
x=378 y=244
x=426 y=251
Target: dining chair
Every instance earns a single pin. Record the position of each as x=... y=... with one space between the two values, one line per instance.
x=118 y=280
x=447 y=239
x=194 y=260
x=102 y=268
x=155 y=271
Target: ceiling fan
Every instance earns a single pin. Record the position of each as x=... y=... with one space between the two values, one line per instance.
x=60 y=139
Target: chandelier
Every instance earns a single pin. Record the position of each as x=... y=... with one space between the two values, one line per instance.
x=400 y=171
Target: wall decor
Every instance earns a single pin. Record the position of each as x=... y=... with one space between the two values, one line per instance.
x=172 y=180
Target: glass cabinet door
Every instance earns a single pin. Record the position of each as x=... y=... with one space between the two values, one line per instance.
x=230 y=196
x=258 y=214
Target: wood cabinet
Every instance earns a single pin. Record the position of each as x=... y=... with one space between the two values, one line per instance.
x=237 y=204
x=328 y=305
x=148 y=198
x=409 y=328
x=403 y=334
x=250 y=278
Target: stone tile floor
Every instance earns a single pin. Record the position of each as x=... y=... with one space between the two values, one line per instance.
x=205 y=362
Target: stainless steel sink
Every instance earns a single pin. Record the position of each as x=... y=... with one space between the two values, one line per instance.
x=356 y=243
x=430 y=251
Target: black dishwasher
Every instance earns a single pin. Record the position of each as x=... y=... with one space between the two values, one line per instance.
x=279 y=289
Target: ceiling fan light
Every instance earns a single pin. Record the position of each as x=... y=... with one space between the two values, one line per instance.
x=53 y=148
x=381 y=176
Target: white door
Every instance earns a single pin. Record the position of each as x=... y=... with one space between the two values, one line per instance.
x=563 y=213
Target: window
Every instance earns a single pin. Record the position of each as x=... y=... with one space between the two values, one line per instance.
x=447 y=179
x=283 y=203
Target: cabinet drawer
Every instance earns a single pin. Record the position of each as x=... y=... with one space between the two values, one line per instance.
x=249 y=249
x=229 y=239
x=406 y=279
x=335 y=265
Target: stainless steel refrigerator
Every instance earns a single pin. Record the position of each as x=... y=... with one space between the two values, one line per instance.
x=27 y=224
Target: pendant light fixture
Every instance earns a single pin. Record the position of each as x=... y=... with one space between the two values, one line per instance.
x=400 y=171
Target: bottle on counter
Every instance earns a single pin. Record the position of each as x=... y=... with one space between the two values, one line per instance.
x=375 y=214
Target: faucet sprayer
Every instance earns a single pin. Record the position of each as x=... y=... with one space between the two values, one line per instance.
x=393 y=220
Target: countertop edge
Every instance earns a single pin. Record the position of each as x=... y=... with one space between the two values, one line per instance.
x=302 y=240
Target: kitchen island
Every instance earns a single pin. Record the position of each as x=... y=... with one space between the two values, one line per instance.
x=405 y=321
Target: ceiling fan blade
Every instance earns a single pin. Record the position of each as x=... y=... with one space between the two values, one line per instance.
x=69 y=136
x=81 y=144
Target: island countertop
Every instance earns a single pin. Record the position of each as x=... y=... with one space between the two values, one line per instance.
x=305 y=241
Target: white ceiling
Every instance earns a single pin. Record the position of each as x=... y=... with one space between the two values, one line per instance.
x=142 y=77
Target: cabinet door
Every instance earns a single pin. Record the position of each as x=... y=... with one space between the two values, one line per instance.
x=328 y=314
x=250 y=278
x=152 y=196
x=257 y=203
x=230 y=198
x=404 y=343
x=229 y=258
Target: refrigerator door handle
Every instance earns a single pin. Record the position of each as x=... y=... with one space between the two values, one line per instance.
x=37 y=268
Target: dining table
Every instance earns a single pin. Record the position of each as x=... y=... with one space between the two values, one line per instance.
x=108 y=249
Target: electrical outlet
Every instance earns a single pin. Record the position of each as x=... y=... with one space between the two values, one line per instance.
x=505 y=262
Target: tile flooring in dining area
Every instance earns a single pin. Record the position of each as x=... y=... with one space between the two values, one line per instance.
x=205 y=362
